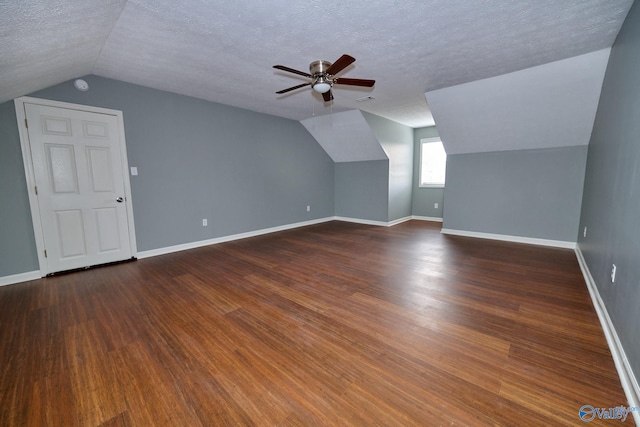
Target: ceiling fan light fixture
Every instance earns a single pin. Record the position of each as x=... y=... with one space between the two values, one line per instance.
x=322 y=85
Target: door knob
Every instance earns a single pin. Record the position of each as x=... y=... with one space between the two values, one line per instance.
x=119 y=200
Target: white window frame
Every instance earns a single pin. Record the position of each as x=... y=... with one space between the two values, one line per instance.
x=424 y=141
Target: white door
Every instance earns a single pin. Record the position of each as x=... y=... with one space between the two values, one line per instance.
x=79 y=177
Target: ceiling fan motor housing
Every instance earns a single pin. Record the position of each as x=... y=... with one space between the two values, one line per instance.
x=318 y=69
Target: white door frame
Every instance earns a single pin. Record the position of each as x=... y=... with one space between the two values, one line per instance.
x=30 y=174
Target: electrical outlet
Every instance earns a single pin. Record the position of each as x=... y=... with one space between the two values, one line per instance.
x=308 y=208
x=204 y=222
x=584 y=233
x=613 y=273
x=435 y=206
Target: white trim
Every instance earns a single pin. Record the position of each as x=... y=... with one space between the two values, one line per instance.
x=399 y=221
x=386 y=224
x=426 y=218
x=627 y=378
x=67 y=105
x=431 y=139
x=372 y=222
x=30 y=174
x=361 y=221
x=231 y=237
x=507 y=238
x=31 y=183
x=436 y=186
x=19 y=278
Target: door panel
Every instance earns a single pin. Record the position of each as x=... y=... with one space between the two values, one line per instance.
x=100 y=169
x=107 y=223
x=79 y=173
x=55 y=125
x=70 y=233
x=61 y=164
x=95 y=130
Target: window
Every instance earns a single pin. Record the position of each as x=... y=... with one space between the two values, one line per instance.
x=433 y=163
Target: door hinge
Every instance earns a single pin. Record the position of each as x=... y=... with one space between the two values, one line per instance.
x=26 y=123
x=45 y=253
x=36 y=187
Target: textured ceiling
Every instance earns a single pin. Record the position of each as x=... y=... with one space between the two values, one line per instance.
x=223 y=51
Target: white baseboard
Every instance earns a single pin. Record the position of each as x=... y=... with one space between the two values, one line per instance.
x=625 y=372
x=214 y=241
x=426 y=218
x=507 y=238
x=371 y=222
x=361 y=221
x=399 y=221
x=18 y=278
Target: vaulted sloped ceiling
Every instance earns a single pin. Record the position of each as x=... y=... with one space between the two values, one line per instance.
x=551 y=105
x=346 y=137
x=223 y=51
x=43 y=43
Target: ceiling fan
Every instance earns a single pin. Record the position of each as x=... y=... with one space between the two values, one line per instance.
x=322 y=74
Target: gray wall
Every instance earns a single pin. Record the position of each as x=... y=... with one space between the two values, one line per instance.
x=17 y=243
x=424 y=198
x=241 y=170
x=397 y=141
x=525 y=193
x=611 y=202
x=361 y=190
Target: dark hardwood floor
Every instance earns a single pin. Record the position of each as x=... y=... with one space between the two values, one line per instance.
x=334 y=324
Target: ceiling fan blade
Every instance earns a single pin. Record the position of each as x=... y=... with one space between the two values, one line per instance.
x=291 y=70
x=327 y=96
x=343 y=62
x=292 y=88
x=354 y=82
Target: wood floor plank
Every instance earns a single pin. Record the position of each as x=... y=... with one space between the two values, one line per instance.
x=334 y=324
